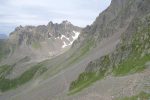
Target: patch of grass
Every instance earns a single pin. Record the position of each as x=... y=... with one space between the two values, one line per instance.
x=84 y=80
x=4 y=70
x=138 y=56
x=7 y=84
x=36 y=45
x=87 y=78
x=140 y=96
x=131 y=65
x=133 y=62
x=4 y=50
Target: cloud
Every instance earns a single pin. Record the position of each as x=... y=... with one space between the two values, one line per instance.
x=34 y=12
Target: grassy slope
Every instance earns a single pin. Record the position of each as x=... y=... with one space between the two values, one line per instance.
x=137 y=59
x=7 y=84
x=134 y=63
x=84 y=80
x=131 y=65
x=36 y=45
x=87 y=78
x=3 y=49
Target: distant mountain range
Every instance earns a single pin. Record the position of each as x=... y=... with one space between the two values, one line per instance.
x=40 y=42
x=107 y=60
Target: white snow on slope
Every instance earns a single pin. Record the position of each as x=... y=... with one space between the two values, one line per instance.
x=74 y=38
x=63 y=36
x=64 y=45
x=76 y=35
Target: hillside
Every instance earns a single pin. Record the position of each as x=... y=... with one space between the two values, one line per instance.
x=110 y=60
x=29 y=45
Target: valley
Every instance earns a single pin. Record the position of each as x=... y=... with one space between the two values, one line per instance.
x=107 y=60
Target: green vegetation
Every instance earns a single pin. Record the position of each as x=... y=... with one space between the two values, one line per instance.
x=140 y=96
x=130 y=57
x=36 y=45
x=7 y=84
x=139 y=55
x=4 y=70
x=3 y=49
x=84 y=80
x=131 y=65
x=87 y=78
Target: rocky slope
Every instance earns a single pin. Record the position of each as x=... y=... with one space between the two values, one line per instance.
x=3 y=49
x=114 y=51
x=115 y=19
x=29 y=45
x=133 y=51
x=43 y=41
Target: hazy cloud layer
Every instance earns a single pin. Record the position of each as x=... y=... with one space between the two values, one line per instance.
x=34 y=12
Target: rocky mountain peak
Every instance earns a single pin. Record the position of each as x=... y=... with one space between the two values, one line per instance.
x=51 y=38
x=118 y=1
x=50 y=23
x=18 y=28
x=116 y=17
x=66 y=22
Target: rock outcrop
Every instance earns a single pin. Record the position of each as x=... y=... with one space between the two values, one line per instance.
x=43 y=41
x=130 y=19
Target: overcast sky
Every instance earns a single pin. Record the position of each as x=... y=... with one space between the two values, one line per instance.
x=35 y=12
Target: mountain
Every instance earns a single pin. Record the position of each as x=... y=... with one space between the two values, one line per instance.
x=108 y=61
x=128 y=20
x=41 y=42
x=131 y=21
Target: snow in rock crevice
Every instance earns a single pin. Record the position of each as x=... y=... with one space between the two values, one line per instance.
x=74 y=38
x=64 y=45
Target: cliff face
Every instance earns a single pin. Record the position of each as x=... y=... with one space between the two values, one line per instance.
x=115 y=19
x=137 y=28
x=130 y=50
x=40 y=33
x=130 y=19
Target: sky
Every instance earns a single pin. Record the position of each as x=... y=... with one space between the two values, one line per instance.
x=39 y=12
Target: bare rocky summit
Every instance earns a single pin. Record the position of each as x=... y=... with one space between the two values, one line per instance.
x=40 y=42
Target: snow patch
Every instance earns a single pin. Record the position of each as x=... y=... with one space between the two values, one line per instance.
x=63 y=36
x=64 y=45
x=74 y=38
x=76 y=35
